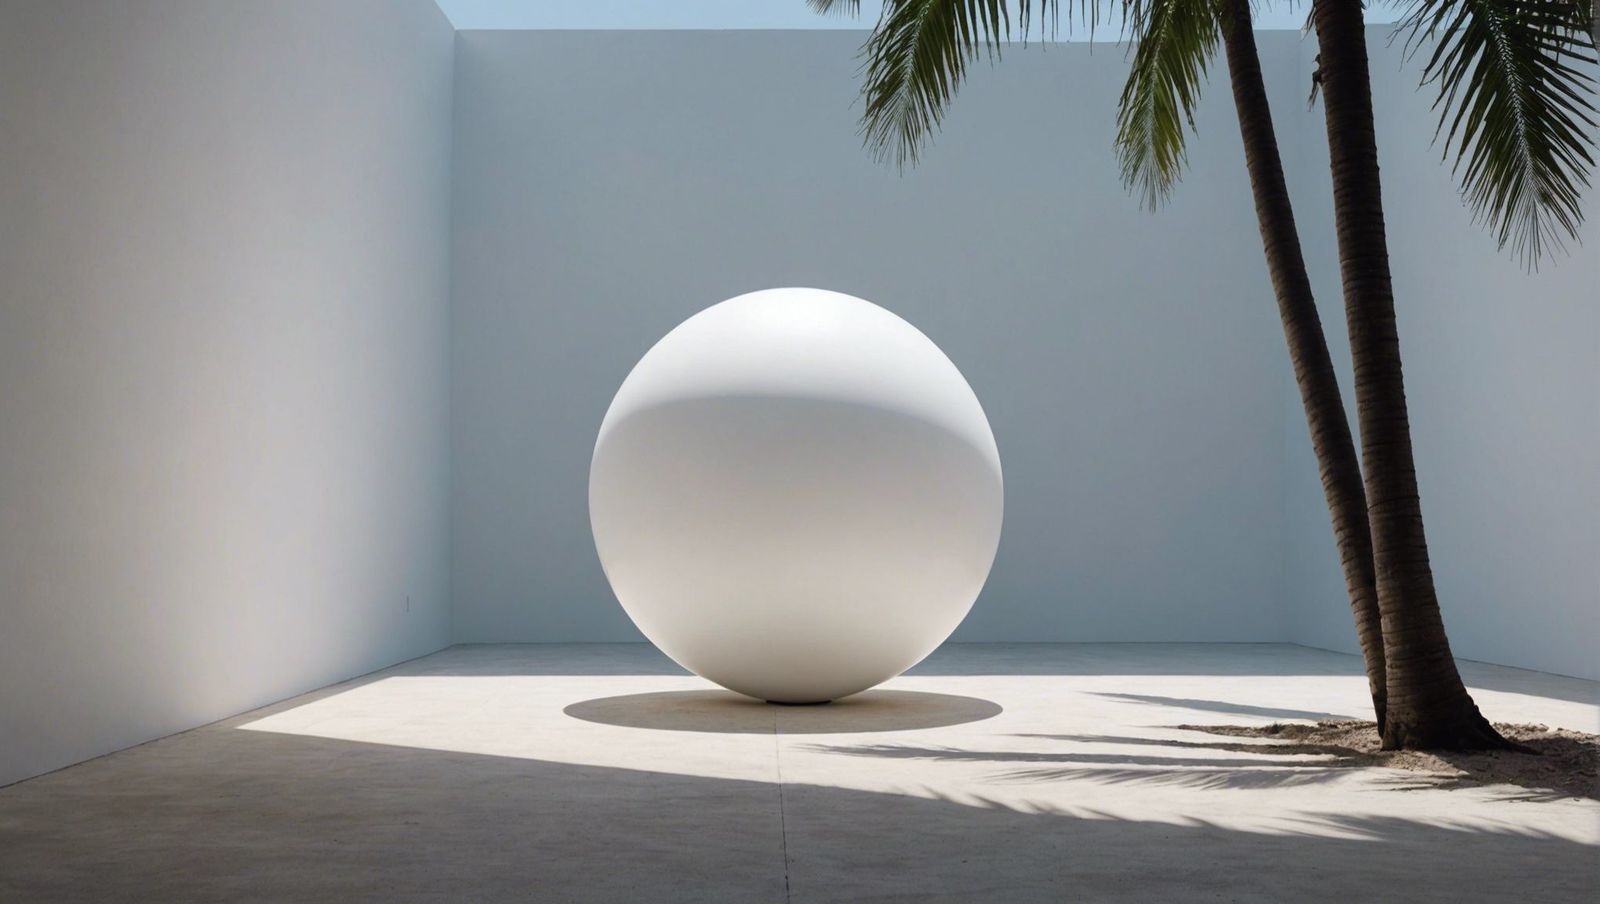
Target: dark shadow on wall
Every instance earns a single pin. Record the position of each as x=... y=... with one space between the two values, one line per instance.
x=223 y=814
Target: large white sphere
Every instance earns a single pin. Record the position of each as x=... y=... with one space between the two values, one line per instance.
x=796 y=495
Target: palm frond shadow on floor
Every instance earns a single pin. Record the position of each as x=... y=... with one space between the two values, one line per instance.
x=1565 y=768
x=226 y=814
x=1221 y=706
x=1118 y=769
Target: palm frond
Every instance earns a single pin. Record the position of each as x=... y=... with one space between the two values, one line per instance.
x=841 y=7
x=1174 y=43
x=918 y=54
x=915 y=59
x=1516 y=110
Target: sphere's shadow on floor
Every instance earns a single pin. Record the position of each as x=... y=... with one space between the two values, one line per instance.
x=726 y=712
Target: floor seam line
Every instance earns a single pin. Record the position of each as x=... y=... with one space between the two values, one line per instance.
x=783 y=819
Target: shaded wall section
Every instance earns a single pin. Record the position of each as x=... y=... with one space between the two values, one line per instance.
x=610 y=184
x=223 y=336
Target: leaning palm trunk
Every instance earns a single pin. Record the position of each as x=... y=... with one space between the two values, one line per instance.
x=1427 y=705
x=1308 y=347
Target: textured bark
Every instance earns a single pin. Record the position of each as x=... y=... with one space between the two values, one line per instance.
x=1308 y=347
x=1427 y=705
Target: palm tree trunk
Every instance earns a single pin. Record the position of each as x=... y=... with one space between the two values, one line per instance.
x=1427 y=704
x=1308 y=347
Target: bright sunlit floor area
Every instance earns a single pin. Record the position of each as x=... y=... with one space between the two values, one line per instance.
x=1046 y=772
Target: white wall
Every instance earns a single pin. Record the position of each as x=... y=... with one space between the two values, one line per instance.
x=1503 y=379
x=610 y=184
x=223 y=289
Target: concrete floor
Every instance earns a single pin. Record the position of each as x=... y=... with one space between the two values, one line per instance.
x=990 y=773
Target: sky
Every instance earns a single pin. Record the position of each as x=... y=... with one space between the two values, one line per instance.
x=734 y=14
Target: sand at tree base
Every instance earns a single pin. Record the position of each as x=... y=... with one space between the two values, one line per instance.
x=1567 y=764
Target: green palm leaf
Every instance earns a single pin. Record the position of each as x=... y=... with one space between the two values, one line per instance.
x=1175 y=41
x=1515 y=110
x=844 y=7
x=918 y=54
x=919 y=51
x=915 y=59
